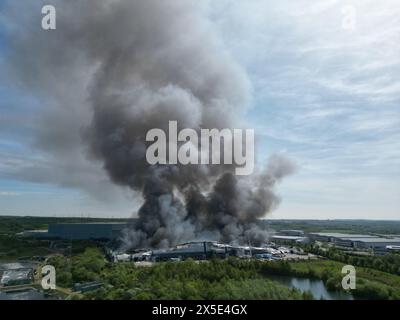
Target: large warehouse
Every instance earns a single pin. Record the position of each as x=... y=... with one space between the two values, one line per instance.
x=79 y=231
x=199 y=250
x=335 y=237
x=356 y=240
x=86 y=231
x=375 y=243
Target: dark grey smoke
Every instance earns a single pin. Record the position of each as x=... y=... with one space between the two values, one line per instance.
x=233 y=207
x=120 y=68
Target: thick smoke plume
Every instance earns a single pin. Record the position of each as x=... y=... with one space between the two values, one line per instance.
x=228 y=213
x=135 y=65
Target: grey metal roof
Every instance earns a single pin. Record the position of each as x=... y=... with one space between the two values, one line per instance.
x=14 y=275
x=380 y=240
x=282 y=237
x=341 y=235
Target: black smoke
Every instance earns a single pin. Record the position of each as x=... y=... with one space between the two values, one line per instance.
x=113 y=70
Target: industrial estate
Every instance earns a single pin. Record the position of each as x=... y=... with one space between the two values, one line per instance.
x=300 y=255
x=113 y=231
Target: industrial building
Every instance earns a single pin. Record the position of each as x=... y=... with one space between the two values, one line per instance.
x=37 y=234
x=294 y=233
x=359 y=241
x=333 y=237
x=79 y=231
x=288 y=239
x=393 y=248
x=16 y=277
x=88 y=286
x=195 y=250
x=200 y=250
x=86 y=231
x=375 y=243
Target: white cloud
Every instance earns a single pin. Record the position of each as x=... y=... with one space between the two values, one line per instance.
x=329 y=96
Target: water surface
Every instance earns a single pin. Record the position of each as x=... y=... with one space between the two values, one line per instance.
x=316 y=287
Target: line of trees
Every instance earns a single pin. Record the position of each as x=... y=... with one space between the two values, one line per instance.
x=387 y=263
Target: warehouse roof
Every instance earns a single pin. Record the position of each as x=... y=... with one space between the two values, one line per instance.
x=280 y=237
x=341 y=235
x=15 y=275
x=385 y=240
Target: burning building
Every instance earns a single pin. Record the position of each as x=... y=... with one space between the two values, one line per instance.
x=199 y=250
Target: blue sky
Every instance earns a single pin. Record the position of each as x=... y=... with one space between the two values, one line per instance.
x=325 y=95
x=329 y=97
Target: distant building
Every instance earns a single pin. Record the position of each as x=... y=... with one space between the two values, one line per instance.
x=16 y=277
x=289 y=239
x=37 y=234
x=333 y=236
x=359 y=241
x=375 y=243
x=88 y=286
x=86 y=231
x=195 y=250
x=393 y=248
x=295 y=233
x=79 y=231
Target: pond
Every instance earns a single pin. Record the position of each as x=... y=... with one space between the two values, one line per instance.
x=316 y=287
